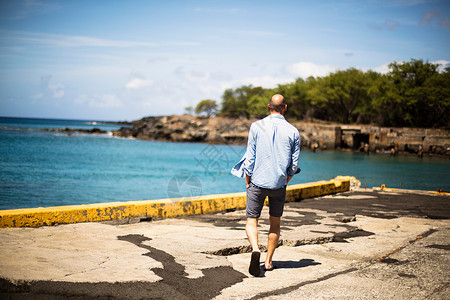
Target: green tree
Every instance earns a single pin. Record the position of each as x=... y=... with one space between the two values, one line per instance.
x=230 y=105
x=438 y=104
x=206 y=106
x=419 y=94
x=236 y=103
x=373 y=89
x=340 y=96
x=257 y=104
x=188 y=110
x=295 y=94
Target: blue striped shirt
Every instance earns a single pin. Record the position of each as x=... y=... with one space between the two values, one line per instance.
x=273 y=152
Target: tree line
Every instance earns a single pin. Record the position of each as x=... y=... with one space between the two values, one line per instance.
x=411 y=94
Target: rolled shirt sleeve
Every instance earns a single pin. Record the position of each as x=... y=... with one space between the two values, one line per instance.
x=247 y=163
x=295 y=156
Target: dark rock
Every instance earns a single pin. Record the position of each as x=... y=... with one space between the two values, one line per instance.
x=188 y=129
x=94 y=130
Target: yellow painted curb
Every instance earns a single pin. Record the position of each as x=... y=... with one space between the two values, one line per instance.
x=384 y=188
x=165 y=208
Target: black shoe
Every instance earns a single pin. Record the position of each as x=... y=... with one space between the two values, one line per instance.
x=254 y=268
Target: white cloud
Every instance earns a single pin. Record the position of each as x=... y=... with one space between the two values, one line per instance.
x=179 y=71
x=181 y=43
x=37 y=97
x=442 y=64
x=82 y=99
x=22 y=9
x=201 y=77
x=391 y=24
x=99 y=101
x=197 y=76
x=383 y=69
x=430 y=15
x=306 y=69
x=55 y=91
x=221 y=76
x=137 y=83
x=106 y=100
x=59 y=40
x=266 y=81
x=255 y=33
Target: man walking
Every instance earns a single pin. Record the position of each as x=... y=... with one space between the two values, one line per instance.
x=271 y=160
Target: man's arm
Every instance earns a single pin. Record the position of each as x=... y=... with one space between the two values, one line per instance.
x=288 y=179
x=250 y=155
x=295 y=156
x=247 y=163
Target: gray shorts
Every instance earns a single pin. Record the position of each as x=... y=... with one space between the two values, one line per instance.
x=255 y=201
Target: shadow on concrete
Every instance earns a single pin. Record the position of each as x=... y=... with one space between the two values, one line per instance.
x=175 y=278
x=290 y=264
x=303 y=263
x=174 y=284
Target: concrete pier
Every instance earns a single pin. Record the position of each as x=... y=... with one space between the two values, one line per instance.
x=361 y=244
x=164 y=208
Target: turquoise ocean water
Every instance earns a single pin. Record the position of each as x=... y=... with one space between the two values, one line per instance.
x=41 y=168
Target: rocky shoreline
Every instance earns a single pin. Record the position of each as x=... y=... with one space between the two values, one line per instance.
x=315 y=136
x=188 y=129
x=94 y=130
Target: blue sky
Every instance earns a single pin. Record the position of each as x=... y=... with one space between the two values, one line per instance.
x=123 y=60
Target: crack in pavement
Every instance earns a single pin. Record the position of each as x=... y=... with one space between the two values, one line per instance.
x=89 y=270
x=419 y=237
x=291 y=288
x=383 y=259
x=339 y=237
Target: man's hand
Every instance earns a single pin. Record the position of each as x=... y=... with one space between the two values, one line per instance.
x=247 y=180
x=288 y=179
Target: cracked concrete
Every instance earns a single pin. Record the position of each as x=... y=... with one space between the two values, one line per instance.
x=356 y=245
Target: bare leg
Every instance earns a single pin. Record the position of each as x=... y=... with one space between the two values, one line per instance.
x=274 y=236
x=251 y=228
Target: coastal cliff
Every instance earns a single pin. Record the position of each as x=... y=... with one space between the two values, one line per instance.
x=188 y=129
x=316 y=136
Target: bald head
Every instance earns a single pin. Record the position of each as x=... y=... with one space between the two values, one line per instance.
x=277 y=104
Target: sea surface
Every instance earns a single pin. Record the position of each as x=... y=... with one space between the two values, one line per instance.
x=42 y=168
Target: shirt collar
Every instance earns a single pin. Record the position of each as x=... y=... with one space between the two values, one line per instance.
x=277 y=116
